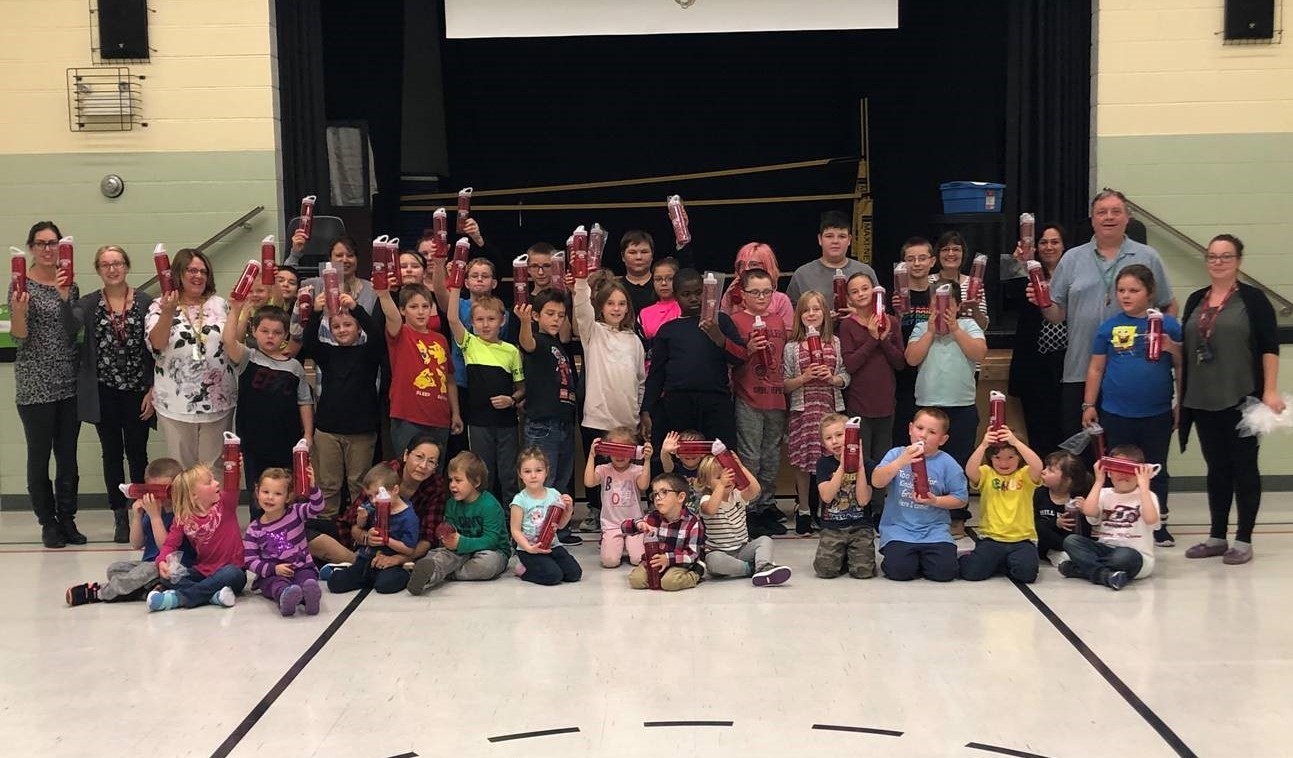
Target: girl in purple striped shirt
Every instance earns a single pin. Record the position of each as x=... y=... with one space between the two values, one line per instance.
x=275 y=547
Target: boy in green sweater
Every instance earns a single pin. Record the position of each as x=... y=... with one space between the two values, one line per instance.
x=474 y=546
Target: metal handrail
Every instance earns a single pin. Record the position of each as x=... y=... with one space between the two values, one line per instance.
x=225 y=232
x=1139 y=210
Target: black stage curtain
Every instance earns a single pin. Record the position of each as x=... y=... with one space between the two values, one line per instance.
x=300 y=95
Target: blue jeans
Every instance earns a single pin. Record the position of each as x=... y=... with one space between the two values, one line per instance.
x=556 y=438
x=195 y=589
x=1095 y=560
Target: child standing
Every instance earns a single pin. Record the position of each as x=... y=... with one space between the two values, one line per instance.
x=680 y=535
x=915 y=538
x=1121 y=548
x=665 y=308
x=1063 y=479
x=424 y=396
x=621 y=482
x=207 y=517
x=550 y=565
x=380 y=563
x=848 y=534
x=729 y=551
x=815 y=391
x=275 y=404
x=1006 y=535
x=150 y=520
x=275 y=547
x=497 y=382
x=918 y=254
x=474 y=546
x=1135 y=393
x=550 y=389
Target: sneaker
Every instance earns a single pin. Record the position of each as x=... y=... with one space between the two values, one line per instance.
x=591 y=523
x=1204 y=550
x=72 y=535
x=224 y=598
x=159 y=600
x=1163 y=538
x=328 y=568
x=771 y=523
x=310 y=594
x=288 y=601
x=770 y=575
x=520 y=569
x=1067 y=569
x=803 y=524
x=121 y=526
x=81 y=594
x=51 y=536
x=1057 y=557
x=958 y=529
x=420 y=577
x=1117 y=580
x=1235 y=557
x=567 y=538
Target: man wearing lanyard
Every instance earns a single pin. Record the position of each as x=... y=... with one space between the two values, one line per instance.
x=1083 y=290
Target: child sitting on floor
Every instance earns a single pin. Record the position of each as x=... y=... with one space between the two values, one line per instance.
x=206 y=515
x=729 y=551
x=1006 y=534
x=679 y=533
x=275 y=546
x=380 y=563
x=473 y=542
x=1124 y=514
x=540 y=565
x=1064 y=479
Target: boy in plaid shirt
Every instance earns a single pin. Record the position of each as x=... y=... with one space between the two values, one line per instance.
x=680 y=534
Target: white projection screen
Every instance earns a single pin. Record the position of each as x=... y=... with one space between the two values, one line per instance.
x=579 y=18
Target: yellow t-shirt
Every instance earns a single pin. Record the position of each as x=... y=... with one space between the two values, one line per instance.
x=1007 y=505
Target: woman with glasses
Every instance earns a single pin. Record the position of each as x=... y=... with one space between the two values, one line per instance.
x=45 y=385
x=115 y=384
x=951 y=258
x=1232 y=353
x=194 y=386
x=1037 y=360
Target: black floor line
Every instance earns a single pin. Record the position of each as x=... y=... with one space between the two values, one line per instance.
x=286 y=680
x=405 y=755
x=1002 y=750
x=539 y=733
x=857 y=729
x=687 y=723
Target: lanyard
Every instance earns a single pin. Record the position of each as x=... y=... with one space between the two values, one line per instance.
x=1208 y=317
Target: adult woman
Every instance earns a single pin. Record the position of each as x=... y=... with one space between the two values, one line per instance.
x=1037 y=361
x=950 y=250
x=334 y=541
x=115 y=383
x=344 y=256
x=45 y=386
x=1231 y=354
x=759 y=255
x=194 y=387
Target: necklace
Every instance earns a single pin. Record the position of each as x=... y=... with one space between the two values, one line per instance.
x=117 y=319
x=195 y=323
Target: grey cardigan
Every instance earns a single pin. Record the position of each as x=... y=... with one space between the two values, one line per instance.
x=77 y=315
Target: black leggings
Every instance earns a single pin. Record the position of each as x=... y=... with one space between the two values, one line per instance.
x=1232 y=472
x=121 y=434
x=51 y=427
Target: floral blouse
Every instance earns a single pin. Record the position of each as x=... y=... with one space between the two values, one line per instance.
x=122 y=347
x=45 y=367
x=193 y=380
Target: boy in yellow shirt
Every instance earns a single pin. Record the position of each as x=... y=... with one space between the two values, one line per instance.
x=1007 y=538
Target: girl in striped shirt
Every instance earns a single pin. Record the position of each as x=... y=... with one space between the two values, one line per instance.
x=275 y=547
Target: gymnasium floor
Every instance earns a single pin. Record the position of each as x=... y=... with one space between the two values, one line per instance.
x=1195 y=661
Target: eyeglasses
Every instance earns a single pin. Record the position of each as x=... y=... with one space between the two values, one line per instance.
x=540 y=265
x=919 y=259
x=759 y=293
x=111 y=265
x=191 y=271
x=44 y=244
x=418 y=459
x=657 y=494
x=663 y=280
x=1222 y=258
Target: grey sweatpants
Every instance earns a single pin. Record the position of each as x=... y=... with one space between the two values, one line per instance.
x=442 y=564
x=125 y=577
x=742 y=562
x=758 y=442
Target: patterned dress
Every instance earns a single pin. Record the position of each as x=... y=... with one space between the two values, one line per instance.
x=810 y=403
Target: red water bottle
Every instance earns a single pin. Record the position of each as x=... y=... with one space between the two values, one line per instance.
x=1073 y=510
x=268 y=256
x=304 y=305
x=558 y=280
x=444 y=530
x=919 y=474
x=942 y=301
x=694 y=448
x=137 y=491
x=331 y=289
x=902 y=281
x=1096 y=433
x=652 y=546
x=997 y=402
x=978 y=270
x=728 y=461
x=877 y=303
x=521 y=279
x=383 y=525
x=307 y=215
x=815 y=352
x=457 y=273
x=393 y=263
x=1041 y=289
x=250 y=273
x=18 y=267
x=162 y=262
x=709 y=298
x=232 y=463
x=617 y=450
x=734 y=294
x=763 y=359
x=1154 y=341
x=839 y=283
x=853 y=445
x=596 y=245
x=548 y=528
x=300 y=468
x=678 y=217
x=1115 y=465
x=1027 y=230
x=382 y=265
x=464 y=209
x=579 y=253
x=440 y=226
x=65 y=258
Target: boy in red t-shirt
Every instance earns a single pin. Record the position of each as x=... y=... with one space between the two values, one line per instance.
x=760 y=396
x=424 y=396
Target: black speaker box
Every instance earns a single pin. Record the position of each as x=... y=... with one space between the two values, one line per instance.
x=123 y=29
x=1250 y=19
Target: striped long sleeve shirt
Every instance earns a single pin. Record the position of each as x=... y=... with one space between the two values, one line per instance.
x=681 y=538
x=264 y=546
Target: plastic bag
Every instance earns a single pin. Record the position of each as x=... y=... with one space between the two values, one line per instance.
x=1257 y=418
x=177 y=569
x=1078 y=442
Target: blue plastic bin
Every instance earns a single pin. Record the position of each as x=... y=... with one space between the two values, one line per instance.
x=972 y=197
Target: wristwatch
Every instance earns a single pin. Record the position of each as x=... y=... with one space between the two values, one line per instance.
x=1087 y=406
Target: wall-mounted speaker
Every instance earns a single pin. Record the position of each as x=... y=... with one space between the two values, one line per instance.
x=1250 y=19
x=123 y=29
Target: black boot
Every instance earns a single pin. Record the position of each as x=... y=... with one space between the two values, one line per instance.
x=52 y=536
x=120 y=526
x=73 y=536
